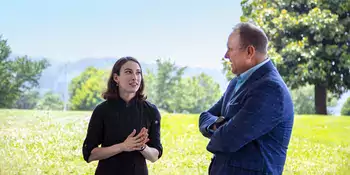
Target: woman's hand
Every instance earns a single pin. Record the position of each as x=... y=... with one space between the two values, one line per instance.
x=144 y=138
x=133 y=142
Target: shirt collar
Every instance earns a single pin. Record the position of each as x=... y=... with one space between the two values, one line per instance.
x=245 y=75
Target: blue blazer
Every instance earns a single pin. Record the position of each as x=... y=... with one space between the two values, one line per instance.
x=255 y=137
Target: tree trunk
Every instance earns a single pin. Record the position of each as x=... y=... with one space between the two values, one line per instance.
x=321 y=99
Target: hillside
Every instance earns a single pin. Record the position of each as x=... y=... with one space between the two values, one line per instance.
x=55 y=77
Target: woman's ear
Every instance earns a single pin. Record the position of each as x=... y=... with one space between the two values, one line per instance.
x=116 y=78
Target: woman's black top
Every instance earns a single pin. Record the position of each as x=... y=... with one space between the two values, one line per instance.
x=111 y=122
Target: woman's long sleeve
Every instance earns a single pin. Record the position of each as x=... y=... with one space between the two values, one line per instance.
x=94 y=134
x=154 y=135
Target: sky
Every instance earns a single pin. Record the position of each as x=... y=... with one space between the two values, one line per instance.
x=189 y=32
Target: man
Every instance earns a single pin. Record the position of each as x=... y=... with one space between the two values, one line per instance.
x=250 y=126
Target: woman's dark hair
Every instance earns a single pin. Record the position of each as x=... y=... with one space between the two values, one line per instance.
x=112 y=91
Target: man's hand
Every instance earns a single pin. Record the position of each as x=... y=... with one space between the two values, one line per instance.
x=213 y=127
x=219 y=122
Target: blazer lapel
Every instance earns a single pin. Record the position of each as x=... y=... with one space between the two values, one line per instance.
x=228 y=95
x=267 y=67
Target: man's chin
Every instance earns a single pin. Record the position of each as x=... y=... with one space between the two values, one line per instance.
x=233 y=71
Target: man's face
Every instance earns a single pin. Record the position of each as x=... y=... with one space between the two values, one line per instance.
x=236 y=54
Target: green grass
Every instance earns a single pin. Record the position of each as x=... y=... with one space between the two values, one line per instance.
x=37 y=142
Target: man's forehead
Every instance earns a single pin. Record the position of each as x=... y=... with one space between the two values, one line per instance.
x=234 y=35
x=233 y=38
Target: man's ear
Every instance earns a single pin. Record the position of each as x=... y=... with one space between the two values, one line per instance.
x=251 y=51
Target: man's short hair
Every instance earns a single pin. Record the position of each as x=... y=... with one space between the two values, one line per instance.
x=250 y=34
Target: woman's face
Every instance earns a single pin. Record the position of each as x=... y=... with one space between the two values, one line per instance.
x=129 y=79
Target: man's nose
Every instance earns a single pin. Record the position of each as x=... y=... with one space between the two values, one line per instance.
x=226 y=56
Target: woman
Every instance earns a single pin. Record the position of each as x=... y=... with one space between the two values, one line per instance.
x=125 y=124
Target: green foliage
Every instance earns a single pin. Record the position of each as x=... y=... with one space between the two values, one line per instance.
x=17 y=76
x=174 y=93
x=27 y=100
x=50 y=101
x=150 y=84
x=86 y=89
x=36 y=142
x=332 y=99
x=304 y=97
x=346 y=108
x=196 y=94
x=303 y=100
x=31 y=100
x=166 y=88
x=166 y=84
x=309 y=40
x=227 y=69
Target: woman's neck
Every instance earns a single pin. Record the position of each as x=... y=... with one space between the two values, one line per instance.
x=126 y=96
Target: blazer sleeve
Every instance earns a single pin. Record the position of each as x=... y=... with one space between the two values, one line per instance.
x=259 y=114
x=94 y=134
x=207 y=118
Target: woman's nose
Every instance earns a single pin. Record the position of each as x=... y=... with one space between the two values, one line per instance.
x=134 y=76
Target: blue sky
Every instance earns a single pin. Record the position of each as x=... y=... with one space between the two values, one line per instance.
x=190 y=32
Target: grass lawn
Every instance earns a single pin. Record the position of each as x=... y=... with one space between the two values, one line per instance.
x=38 y=142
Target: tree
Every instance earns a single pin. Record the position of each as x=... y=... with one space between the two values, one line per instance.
x=174 y=93
x=304 y=97
x=50 y=101
x=150 y=85
x=346 y=107
x=197 y=94
x=87 y=88
x=17 y=75
x=27 y=100
x=168 y=77
x=309 y=42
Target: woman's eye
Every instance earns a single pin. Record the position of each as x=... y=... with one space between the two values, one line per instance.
x=138 y=73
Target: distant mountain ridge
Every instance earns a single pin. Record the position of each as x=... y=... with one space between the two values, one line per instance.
x=54 y=78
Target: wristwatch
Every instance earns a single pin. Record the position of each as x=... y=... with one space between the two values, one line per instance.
x=143 y=148
x=219 y=120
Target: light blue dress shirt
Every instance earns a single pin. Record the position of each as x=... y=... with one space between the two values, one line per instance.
x=243 y=78
x=245 y=75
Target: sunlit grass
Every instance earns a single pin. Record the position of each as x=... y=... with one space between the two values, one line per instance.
x=319 y=145
x=37 y=142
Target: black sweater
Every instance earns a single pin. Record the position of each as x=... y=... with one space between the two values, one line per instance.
x=111 y=122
